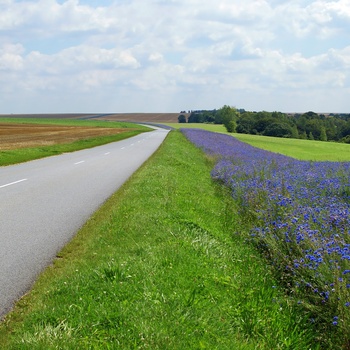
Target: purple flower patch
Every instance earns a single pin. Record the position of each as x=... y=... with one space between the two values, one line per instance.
x=298 y=214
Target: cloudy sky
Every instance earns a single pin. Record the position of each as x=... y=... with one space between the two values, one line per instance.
x=171 y=55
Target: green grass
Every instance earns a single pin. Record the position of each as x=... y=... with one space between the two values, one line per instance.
x=8 y=157
x=300 y=149
x=210 y=127
x=295 y=148
x=160 y=266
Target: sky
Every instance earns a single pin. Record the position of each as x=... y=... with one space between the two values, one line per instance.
x=105 y=56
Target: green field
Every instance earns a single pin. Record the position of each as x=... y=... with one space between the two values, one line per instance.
x=299 y=149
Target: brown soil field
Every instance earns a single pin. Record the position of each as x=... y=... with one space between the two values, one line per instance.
x=144 y=117
x=125 y=117
x=13 y=135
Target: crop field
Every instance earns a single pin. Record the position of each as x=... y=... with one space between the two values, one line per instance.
x=124 y=117
x=143 y=117
x=15 y=135
x=24 y=139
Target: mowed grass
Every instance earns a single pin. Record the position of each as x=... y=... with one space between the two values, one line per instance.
x=8 y=157
x=160 y=266
x=295 y=148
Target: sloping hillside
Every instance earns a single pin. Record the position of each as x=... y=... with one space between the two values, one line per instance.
x=144 y=117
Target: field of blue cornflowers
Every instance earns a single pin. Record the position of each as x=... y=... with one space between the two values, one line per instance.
x=297 y=215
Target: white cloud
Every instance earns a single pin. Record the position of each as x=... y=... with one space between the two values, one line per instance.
x=205 y=50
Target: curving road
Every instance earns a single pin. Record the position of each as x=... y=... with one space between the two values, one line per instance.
x=44 y=202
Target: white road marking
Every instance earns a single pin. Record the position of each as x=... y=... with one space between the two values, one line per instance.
x=13 y=183
x=107 y=153
x=123 y=148
x=83 y=161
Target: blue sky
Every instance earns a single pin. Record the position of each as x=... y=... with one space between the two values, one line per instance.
x=61 y=56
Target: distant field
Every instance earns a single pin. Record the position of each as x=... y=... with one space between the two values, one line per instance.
x=299 y=149
x=144 y=117
x=15 y=135
x=125 y=117
x=24 y=139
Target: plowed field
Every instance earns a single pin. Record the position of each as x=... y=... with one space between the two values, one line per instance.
x=144 y=117
x=13 y=135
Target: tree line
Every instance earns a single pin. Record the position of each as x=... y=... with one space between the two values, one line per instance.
x=309 y=125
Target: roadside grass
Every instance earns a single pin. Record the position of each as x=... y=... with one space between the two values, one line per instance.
x=295 y=148
x=160 y=266
x=8 y=157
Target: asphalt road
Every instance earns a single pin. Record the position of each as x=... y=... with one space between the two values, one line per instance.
x=43 y=203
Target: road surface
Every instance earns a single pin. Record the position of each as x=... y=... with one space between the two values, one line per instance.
x=43 y=203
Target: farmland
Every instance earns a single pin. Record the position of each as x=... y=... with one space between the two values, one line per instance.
x=123 y=117
x=23 y=139
x=160 y=267
x=16 y=135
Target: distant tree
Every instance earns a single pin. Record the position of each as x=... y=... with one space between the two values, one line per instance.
x=346 y=139
x=231 y=126
x=323 y=135
x=228 y=115
x=345 y=129
x=310 y=115
x=311 y=136
x=194 y=118
x=262 y=123
x=245 y=123
x=303 y=135
x=278 y=130
x=314 y=126
x=295 y=132
x=181 y=118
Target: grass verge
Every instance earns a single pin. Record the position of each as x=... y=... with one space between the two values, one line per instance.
x=8 y=157
x=159 y=267
x=295 y=148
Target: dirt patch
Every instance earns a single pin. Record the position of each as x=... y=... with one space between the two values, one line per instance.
x=13 y=135
x=144 y=117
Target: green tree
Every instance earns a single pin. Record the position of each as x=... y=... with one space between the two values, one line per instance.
x=261 y=124
x=228 y=117
x=323 y=135
x=231 y=126
x=295 y=132
x=303 y=135
x=181 y=118
x=245 y=123
x=278 y=130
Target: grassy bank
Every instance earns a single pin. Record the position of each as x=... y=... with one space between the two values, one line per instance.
x=159 y=266
x=8 y=157
x=295 y=148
